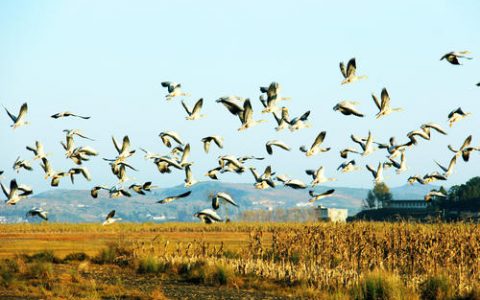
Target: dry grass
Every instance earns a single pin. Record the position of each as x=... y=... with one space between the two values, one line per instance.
x=332 y=261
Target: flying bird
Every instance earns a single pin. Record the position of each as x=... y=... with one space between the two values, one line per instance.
x=293 y=183
x=194 y=114
x=269 y=146
x=110 y=218
x=67 y=114
x=348 y=108
x=16 y=192
x=263 y=181
x=376 y=173
x=457 y=115
x=246 y=116
x=208 y=216
x=434 y=193
x=172 y=198
x=167 y=136
x=384 y=104
x=221 y=196
x=452 y=57
x=18 y=120
x=21 y=164
x=316 y=196
x=315 y=148
x=218 y=140
x=347 y=167
x=38 y=212
x=37 y=150
x=465 y=150
x=318 y=176
x=174 y=90
x=349 y=74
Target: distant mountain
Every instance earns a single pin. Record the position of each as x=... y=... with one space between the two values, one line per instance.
x=79 y=206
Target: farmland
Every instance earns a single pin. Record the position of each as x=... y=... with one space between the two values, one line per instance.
x=359 y=260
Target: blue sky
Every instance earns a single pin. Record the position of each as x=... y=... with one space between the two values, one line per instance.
x=107 y=59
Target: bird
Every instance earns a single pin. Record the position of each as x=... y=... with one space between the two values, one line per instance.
x=269 y=146
x=416 y=178
x=67 y=114
x=208 y=216
x=434 y=193
x=457 y=115
x=453 y=56
x=465 y=150
x=38 y=212
x=448 y=171
x=348 y=108
x=384 y=104
x=315 y=148
x=194 y=114
x=16 y=192
x=218 y=140
x=293 y=183
x=393 y=148
x=37 y=150
x=124 y=151
x=76 y=171
x=174 y=90
x=142 y=188
x=282 y=121
x=315 y=197
x=347 y=167
x=22 y=164
x=19 y=120
x=318 y=176
x=349 y=74
x=433 y=126
x=344 y=152
x=234 y=104
x=365 y=144
x=376 y=173
x=222 y=196
x=172 y=198
x=272 y=92
x=110 y=218
x=76 y=132
x=167 y=135
x=212 y=173
x=189 y=180
x=265 y=180
x=400 y=166
x=164 y=163
x=298 y=122
x=246 y=117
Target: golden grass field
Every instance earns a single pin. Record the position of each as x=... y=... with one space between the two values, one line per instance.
x=361 y=260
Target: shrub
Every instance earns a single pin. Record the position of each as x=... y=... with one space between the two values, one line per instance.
x=379 y=286
x=76 y=256
x=8 y=270
x=436 y=287
x=115 y=253
x=43 y=256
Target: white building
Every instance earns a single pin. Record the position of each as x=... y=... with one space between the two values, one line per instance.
x=332 y=214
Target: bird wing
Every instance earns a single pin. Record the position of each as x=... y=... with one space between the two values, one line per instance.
x=23 y=111
x=187 y=109
x=14 y=118
x=186 y=194
x=466 y=143
x=247 y=111
x=110 y=215
x=4 y=190
x=342 y=69
x=351 y=67
x=377 y=103
x=198 y=106
x=115 y=144
x=385 y=99
x=319 y=139
x=125 y=144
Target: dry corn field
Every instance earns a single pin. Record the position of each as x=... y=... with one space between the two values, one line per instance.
x=301 y=260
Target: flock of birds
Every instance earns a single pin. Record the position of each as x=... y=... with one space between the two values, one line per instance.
x=178 y=156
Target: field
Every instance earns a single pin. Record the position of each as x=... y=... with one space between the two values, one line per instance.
x=240 y=261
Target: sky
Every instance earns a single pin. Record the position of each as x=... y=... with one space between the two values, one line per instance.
x=106 y=59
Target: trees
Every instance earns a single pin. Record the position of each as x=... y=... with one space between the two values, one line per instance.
x=379 y=196
x=465 y=196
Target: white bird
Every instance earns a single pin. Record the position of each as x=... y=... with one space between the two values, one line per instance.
x=465 y=150
x=434 y=193
x=234 y=104
x=376 y=173
x=189 y=180
x=246 y=117
x=16 y=192
x=318 y=176
x=349 y=166
x=293 y=183
x=448 y=171
x=167 y=135
x=350 y=73
x=171 y=198
x=76 y=171
x=21 y=164
x=218 y=140
x=282 y=121
x=72 y=132
x=316 y=197
x=38 y=212
x=194 y=114
x=277 y=143
x=453 y=56
x=348 y=108
x=142 y=188
x=164 y=163
x=265 y=180
x=208 y=216
x=20 y=119
x=365 y=144
x=38 y=150
x=384 y=105
x=272 y=92
x=213 y=173
x=221 y=196
x=434 y=126
x=124 y=151
x=298 y=122
x=400 y=166
x=344 y=152
x=415 y=178
x=110 y=218
x=457 y=115
x=67 y=114
x=315 y=148
x=174 y=90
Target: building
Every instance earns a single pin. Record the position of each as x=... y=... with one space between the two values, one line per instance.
x=332 y=214
x=408 y=204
